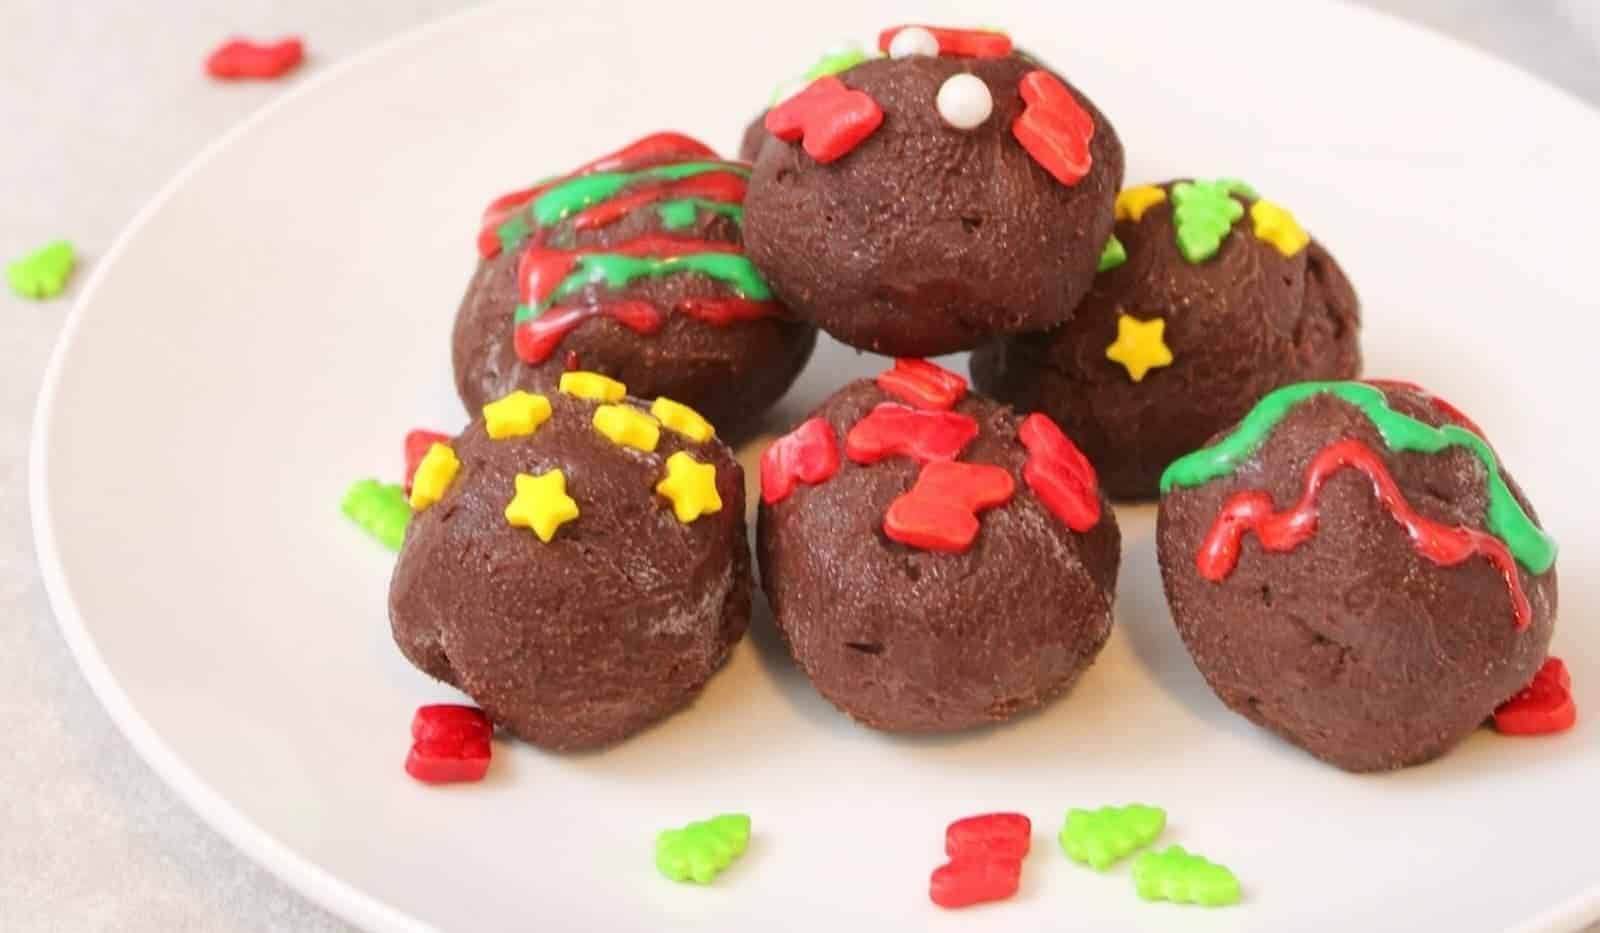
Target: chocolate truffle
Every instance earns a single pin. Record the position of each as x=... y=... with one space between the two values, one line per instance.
x=579 y=564
x=1352 y=569
x=1208 y=298
x=933 y=561
x=924 y=204
x=631 y=266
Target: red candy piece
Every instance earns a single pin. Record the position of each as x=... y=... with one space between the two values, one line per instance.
x=924 y=436
x=1542 y=707
x=940 y=513
x=450 y=743
x=985 y=864
x=417 y=444
x=1054 y=128
x=923 y=384
x=1059 y=474
x=242 y=58
x=997 y=834
x=972 y=43
x=808 y=454
x=830 y=118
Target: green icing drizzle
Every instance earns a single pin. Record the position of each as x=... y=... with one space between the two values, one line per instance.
x=680 y=213
x=832 y=62
x=1507 y=521
x=1203 y=213
x=586 y=190
x=615 y=270
x=1114 y=255
x=512 y=232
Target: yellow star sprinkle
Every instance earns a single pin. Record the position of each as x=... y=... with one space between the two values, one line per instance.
x=542 y=504
x=628 y=426
x=692 y=487
x=517 y=415
x=592 y=386
x=434 y=475
x=1133 y=202
x=683 y=419
x=1278 y=227
x=1139 y=346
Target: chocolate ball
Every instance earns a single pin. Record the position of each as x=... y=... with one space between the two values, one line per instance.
x=572 y=277
x=930 y=636
x=1171 y=346
x=616 y=620
x=1341 y=585
x=925 y=238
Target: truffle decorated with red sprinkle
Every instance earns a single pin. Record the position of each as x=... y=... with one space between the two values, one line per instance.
x=926 y=201
x=631 y=265
x=1352 y=567
x=932 y=563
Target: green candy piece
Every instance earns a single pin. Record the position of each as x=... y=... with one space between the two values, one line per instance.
x=832 y=62
x=379 y=508
x=42 y=273
x=1183 y=878
x=700 y=851
x=680 y=213
x=1101 y=838
x=1235 y=186
x=1203 y=213
x=1114 y=255
x=1506 y=520
x=583 y=191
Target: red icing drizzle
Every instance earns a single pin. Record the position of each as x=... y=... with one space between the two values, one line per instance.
x=1059 y=474
x=1054 y=128
x=830 y=118
x=1449 y=411
x=923 y=384
x=716 y=186
x=891 y=429
x=808 y=454
x=971 y=43
x=1545 y=705
x=1444 y=545
x=940 y=511
x=540 y=270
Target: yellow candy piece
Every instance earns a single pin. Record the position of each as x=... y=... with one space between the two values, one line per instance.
x=517 y=415
x=1278 y=227
x=628 y=426
x=692 y=487
x=1133 y=202
x=542 y=504
x=683 y=419
x=1140 y=346
x=434 y=474
x=592 y=386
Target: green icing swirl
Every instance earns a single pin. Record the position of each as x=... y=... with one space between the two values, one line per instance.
x=680 y=213
x=1531 y=546
x=574 y=195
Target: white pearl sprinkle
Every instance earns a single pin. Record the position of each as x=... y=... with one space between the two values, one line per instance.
x=964 y=101
x=913 y=40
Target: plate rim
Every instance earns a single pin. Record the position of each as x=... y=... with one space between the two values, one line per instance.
x=299 y=872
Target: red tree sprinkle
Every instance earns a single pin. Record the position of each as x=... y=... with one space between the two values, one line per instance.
x=828 y=117
x=940 y=513
x=239 y=59
x=969 y=43
x=986 y=854
x=1059 y=474
x=895 y=430
x=417 y=444
x=808 y=454
x=1542 y=707
x=1444 y=545
x=449 y=744
x=923 y=384
x=1054 y=128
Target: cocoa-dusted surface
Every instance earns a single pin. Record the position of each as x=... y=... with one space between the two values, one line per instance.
x=1239 y=325
x=927 y=239
x=754 y=135
x=907 y=640
x=731 y=374
x=1353 y=646
x=614 y=624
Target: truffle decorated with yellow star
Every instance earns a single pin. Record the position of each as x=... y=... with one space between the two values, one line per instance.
x=578 y=562
x=1208 y=297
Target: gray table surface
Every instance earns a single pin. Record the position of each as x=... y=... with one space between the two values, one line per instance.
x=100 y=104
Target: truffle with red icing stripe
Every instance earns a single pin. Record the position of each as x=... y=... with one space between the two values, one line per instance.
x=928 y=201
x=631 y=266
x=933 y=561
x=1352 y=568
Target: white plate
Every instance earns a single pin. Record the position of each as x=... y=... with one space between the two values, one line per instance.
x=267 y=330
